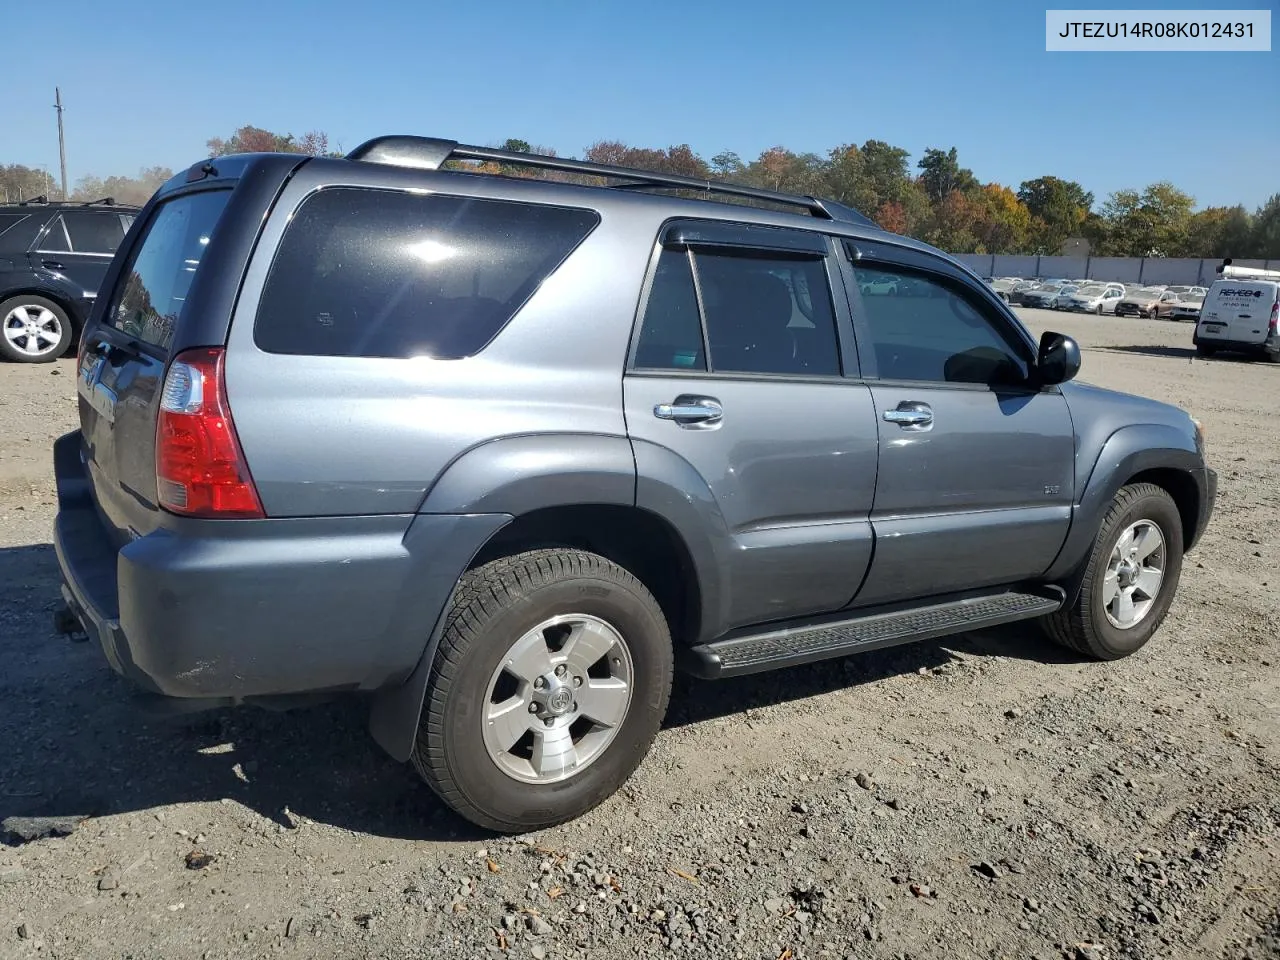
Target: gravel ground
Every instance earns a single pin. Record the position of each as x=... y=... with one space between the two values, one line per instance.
x=985 y=796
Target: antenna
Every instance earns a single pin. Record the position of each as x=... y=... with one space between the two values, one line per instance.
x=62 y=143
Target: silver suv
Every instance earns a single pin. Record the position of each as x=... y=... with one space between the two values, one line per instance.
x=502 y=452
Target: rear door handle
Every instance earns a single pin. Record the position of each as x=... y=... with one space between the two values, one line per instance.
x=53 y=264
x=909 y=414
x=690 y=410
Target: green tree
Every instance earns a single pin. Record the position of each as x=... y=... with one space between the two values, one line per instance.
x=1265 y=239
x=136 y=190
x=1153 y=223
x=941 y=175
x=18 y=182
x=1060 y=207
x=727 y=165
x=1218 y=232
x=1002 y=222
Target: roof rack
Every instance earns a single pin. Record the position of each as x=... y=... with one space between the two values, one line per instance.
x=33 y=200
x=1246 y=273
x=429 y=153
x=105 y=201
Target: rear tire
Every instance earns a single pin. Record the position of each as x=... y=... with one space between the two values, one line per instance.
x=1101 y=623
x=498 y=741
x=1203 y=351
x=33 y=329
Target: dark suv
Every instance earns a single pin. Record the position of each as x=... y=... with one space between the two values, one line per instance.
x=503 y=452
x=53 y=257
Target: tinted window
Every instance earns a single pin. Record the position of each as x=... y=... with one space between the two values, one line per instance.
x=923 y=328
x=373 y=273
x=94 y=232
x=55 y=240
x=7 y=220
x=767 y=314
x=671 y=333
x=150 y=299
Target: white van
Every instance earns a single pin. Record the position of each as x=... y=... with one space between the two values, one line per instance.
x=1241 y=312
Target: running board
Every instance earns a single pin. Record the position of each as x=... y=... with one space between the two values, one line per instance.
x=790 y=646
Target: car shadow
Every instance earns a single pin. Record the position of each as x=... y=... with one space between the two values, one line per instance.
x=79 y=741
x=1149 y=350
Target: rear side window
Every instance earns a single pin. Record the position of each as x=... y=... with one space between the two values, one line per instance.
x=150 y=297
x=377 y=273
x=94 y=232
x=761 y=313
x=55 y=238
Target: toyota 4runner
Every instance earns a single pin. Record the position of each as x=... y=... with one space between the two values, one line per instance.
x=501 y=453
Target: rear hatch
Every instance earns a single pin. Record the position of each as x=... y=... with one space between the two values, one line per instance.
x=1237 y=310
x=123 y=357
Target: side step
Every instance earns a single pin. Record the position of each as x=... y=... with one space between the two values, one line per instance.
x=868 y=630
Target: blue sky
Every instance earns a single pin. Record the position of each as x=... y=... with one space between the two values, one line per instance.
x=148 y=83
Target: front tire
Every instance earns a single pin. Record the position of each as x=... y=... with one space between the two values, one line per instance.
x=33 y=329
x=549 y=685
x=1131 y=578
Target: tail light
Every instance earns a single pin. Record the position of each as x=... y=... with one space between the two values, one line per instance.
x=200 y=468
x=1273 y=328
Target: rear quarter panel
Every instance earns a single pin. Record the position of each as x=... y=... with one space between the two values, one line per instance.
x=328 y=436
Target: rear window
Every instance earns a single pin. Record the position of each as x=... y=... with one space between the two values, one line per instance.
x=377 y=273
x=7 y=220
x=149 y=300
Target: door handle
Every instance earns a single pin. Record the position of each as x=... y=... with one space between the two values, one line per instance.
x=53 y=264
x=690 y=410
x=910 y=414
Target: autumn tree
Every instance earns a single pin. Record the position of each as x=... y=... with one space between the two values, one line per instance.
x=249 y=139
x=1002 y=222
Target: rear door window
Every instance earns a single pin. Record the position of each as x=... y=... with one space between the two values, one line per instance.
x=55 y=238
x=97 y=233
x=379 y=273
x=149 y=299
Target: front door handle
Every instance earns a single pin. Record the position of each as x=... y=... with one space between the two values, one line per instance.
x=910 y=414
x=53 y=264
x=690 y=410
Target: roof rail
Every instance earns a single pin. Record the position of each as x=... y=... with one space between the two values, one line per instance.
x=40 y=199
x=429 y=153
x=1246 y=273
x=105 y=201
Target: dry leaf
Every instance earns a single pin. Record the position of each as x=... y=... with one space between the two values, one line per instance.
x=617 y=887
x=786 y=954
x=555 y=892
x=682 y=875
x=502 y=940
x=493 y=867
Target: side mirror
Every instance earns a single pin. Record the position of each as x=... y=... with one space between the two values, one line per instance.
x=1058 y=359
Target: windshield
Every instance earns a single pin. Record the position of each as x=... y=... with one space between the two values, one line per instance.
x=1049 y=286
x=151 y=296
x=1093 y=290
x=1147 y=293
x=1192 y=298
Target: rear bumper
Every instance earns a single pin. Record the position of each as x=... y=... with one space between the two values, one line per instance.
x=259 y=608
x=1269 y=346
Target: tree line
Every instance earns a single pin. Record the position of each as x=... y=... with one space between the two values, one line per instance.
x=937 y=200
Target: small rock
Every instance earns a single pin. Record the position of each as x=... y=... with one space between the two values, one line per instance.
x=581 y=908
x=894 y=803
x=1032 y=904
x=800 y=807
x=659 y=915
x=924 y=671
x=538 y=951
x=1090 y=951
x=1013 y=713
x=24 y=932
x=537 y=926
x=109 y=880
x=198 y=859
x=989 y=870
x=863 y=779
x=1015 y=866
x=774 y=904
x=510 y=921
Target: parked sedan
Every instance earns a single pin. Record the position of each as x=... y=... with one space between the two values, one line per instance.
x=1020 y=288
x=1042 y=295
x=1096 y=298
x=1144 y=302
x=1185 y=308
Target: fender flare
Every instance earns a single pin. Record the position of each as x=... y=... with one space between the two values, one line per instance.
x=1128 y=452
x=503 y=479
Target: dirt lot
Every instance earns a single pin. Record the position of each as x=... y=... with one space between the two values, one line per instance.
x=987 y=796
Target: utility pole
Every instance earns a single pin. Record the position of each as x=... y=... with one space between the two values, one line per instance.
x=62 y=143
